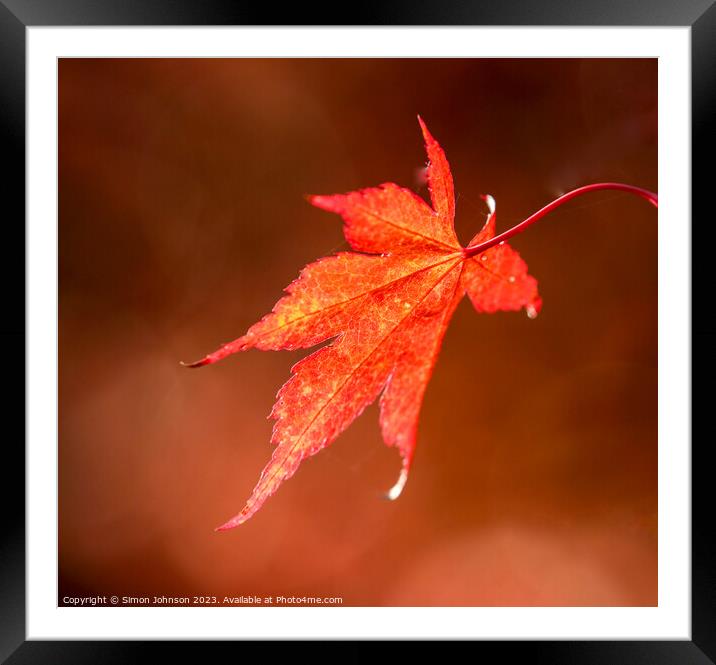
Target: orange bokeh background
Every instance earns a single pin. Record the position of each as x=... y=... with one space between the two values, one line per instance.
x=182 y=218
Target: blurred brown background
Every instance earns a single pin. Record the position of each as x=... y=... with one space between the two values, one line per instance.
x=182 y=218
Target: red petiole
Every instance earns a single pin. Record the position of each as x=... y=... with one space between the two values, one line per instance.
x=644 y=193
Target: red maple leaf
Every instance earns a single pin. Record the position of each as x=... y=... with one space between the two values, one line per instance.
x=386 y=307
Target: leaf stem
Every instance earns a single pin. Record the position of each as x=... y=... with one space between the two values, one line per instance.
x=644 y=193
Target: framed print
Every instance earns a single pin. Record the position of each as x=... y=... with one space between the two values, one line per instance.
x=454 y=254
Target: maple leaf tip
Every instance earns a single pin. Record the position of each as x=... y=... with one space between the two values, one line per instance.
x=195 y=364
x=533 y=309
x=489 y=201
x=397 y=489
x=227 y=525
x=325 y=202
x=426 y=132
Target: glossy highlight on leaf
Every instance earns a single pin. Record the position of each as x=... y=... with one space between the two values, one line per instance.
x=386 y=307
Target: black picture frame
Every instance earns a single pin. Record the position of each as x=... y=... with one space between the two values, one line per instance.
x=17 y=15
